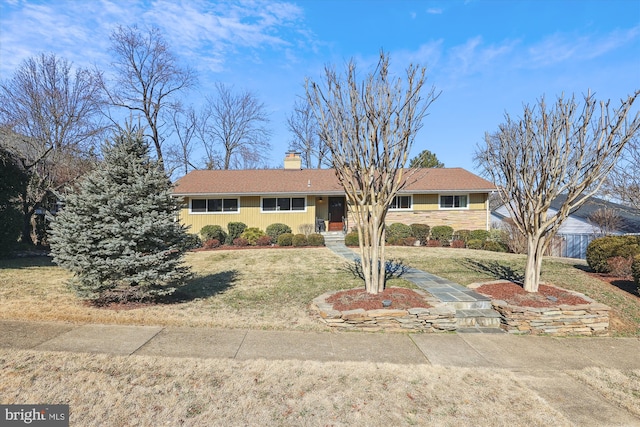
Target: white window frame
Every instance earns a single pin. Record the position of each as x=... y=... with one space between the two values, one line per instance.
x=440 y=196
x=206 y=212
x=410 y=208
x=304 y=198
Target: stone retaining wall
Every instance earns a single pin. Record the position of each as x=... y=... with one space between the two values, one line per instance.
x=437 y=318
x=585 y=319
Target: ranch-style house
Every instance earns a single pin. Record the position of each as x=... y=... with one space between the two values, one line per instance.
x=296 y=196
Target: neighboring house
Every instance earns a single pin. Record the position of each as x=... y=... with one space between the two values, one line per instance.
x=296 y=197
x=580 y=227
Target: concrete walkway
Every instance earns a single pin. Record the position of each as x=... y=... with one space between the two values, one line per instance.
x=538 y=362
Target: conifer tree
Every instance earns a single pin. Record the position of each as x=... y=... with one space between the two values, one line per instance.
x=13 y=182
x=118 y=233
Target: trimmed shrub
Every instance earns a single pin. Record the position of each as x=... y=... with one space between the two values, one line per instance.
x=457 y=243
x=209 y=232
x=475 y=244
x=352 y=239
x=211 y=243
x=433 y=243
x=492 y=246
x=192 y=241
x=442 y=233
x=299 y=240
x=241 y=241
x=620 y=266
x=306 y=229
x=635 y=271
x=498 y=235
x=420 y=232
x=252 y=234
x=603 y=248
x=275 y=230
x=478 y=235
x=409 y=241
x=285 y=239
x=462 y=235
x=397 y=231
x=263 y=241
x=235 y=230
x=315 y=239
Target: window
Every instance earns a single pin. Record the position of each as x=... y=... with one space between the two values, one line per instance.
x=271 y=204
x=453 y=202
x=214 y=205
x=401 y=202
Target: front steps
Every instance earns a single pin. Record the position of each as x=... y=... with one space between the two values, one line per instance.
x=332 y=237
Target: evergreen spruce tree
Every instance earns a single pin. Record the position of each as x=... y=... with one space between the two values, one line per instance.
x=118 y=233
x=13 y=182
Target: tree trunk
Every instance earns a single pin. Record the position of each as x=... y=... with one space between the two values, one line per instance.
x=372 y=249
x=535 y=251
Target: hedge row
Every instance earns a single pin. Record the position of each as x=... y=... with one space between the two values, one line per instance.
x=440 y=235
x=240 y=235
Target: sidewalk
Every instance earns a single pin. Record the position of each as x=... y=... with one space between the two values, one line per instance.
x=538 y=362
x=503 y=351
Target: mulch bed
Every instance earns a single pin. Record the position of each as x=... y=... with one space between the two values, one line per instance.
x=401 y=299
x=514 y=294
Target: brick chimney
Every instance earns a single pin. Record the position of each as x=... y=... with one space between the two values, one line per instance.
x=293 y=160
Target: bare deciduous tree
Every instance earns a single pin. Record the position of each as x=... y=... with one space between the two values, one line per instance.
x=562 y=149
x=369 y=128
x=148 y=79
x=605 y=221
x=623 y=184
x=185 y=125
x=237 y=123
x=52 y=114
x=304 y=127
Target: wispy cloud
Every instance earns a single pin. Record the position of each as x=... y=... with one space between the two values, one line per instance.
x=560 y=48
x=435 y=11
x=200 y=30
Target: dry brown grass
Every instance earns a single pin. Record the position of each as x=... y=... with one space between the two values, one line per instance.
x=151 y=391
x=272 y=288
x=621 y=388
x=256 y=289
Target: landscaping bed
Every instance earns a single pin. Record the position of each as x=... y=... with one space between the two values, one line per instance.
x=551 y=310
x=410 y=309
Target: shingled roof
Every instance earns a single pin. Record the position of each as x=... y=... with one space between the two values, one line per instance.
x=316 y=181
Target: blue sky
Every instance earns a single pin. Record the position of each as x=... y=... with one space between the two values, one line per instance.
x=487 y=57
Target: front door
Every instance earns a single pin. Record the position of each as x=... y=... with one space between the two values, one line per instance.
x=336 y=213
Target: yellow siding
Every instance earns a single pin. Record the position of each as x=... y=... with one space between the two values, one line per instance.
x=425 y=210
x=249 y=214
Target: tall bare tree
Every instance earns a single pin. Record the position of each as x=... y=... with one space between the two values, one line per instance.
x=185 y=124
x=148 y=79
x=306 y=140
x=237 y=124
x=369 y=128
x=51 y=116
x=563 y=149
x=623 y=184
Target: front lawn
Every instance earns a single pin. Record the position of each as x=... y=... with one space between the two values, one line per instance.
x=272 y=288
